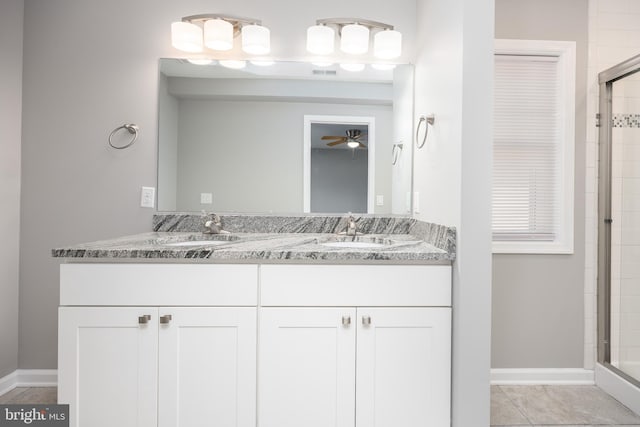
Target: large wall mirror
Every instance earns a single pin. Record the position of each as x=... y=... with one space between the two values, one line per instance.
x=290 y=137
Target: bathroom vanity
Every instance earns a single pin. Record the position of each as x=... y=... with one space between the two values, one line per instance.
x=271 y=329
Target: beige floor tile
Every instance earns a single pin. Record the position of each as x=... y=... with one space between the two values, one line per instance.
x=35 y=395
x=7 y=398
x=503 y=411
x=569 y=405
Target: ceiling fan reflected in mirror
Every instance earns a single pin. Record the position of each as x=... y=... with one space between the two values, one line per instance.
x=354 y=139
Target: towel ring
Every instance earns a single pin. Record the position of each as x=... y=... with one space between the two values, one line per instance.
x=131 y=128
x=428 y=120
x=395 y=152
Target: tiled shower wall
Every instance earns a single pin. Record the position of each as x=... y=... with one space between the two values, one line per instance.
x=625 y=232
x=614 y=36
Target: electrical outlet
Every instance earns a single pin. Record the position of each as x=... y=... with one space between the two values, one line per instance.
x=416 y=202
x=148 y=197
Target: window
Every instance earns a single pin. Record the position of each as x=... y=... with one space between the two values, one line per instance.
x=533 y=147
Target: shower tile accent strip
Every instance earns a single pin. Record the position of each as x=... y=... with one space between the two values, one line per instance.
x=626 y=120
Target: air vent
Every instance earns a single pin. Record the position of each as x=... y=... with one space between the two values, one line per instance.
x=324 y=72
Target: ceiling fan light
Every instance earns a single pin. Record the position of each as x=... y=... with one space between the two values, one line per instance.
x=387 y=44
x=256 y=39
x=354 y=39
x=186 y=37
x=218 y=34
x=320 y=39
x=353 y=144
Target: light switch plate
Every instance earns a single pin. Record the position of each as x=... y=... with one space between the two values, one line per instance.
x=148 y=197
x=380 y=200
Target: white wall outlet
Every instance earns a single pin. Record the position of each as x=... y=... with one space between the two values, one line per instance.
x=148 y=197
x=379 y=200
x=206 y=198
x=416 y=202
x=407 y=202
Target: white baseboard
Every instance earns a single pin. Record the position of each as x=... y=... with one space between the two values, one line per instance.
x=558 y=376
x=28 y=378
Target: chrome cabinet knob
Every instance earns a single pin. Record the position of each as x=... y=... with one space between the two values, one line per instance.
x=166 y=319
x=143 y=320
x=366 y=320
x=346 y=320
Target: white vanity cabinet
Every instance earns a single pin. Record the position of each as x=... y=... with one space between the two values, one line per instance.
x=364 y=343
x=240 y=345
x=128 y=356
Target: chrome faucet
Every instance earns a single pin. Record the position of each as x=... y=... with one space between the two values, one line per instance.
x=352 y=227
x=213 y=224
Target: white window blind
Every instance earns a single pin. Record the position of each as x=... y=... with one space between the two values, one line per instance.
x=527 y=175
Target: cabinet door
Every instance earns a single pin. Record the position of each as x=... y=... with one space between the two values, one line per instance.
x=107 y=366
x=207 y=367
x=403 y=367
x=307 y=367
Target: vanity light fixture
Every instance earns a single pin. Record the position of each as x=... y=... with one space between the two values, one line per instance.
x=354 y=37
x=262 y=63
x=216 y=32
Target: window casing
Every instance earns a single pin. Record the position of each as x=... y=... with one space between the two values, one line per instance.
x=533 y=170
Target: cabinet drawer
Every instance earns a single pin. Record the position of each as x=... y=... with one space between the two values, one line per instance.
x=355 y=285
x=158 y=285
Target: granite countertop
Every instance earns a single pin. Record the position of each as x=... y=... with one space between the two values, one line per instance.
x=276 y=239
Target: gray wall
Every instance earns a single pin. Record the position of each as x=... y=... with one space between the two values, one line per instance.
x=11 y=19
x=538 y=300
x=90 y=66
x=249 y=154
x=339 y=180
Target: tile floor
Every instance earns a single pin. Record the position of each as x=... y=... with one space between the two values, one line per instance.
x=566 y=406
x=548 y=406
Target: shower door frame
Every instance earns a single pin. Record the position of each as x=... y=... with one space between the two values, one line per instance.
x=606 y=80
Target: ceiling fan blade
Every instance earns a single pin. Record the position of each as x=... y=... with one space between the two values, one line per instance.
x=362 y=145
x=331 y=144
x=333 y=137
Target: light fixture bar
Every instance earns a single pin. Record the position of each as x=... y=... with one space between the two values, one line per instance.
x=341 y=22
x=236 y=21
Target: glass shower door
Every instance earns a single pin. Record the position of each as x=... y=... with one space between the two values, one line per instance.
x=619 y=253
x=625 y=228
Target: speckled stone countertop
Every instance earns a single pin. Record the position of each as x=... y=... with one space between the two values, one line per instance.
x=268 y=238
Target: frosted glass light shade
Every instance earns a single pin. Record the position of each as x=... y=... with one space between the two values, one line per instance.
x=352 y=67
x=218 y=34
x=354 y=39
x=256 y=39
x=186 y=37
x=320 y=39
x=387 y=44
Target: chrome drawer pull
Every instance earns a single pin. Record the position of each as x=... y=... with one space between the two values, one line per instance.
x=166 y=319
x=143 y=320
x=366 y=320
x=346 y=320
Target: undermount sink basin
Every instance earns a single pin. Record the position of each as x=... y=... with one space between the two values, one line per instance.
x=198 y=243
x=359 y=242
x=209 y=240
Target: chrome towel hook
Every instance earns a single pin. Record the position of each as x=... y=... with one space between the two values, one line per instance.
x=131 y=128
x=427 y=120
x=395 y=152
